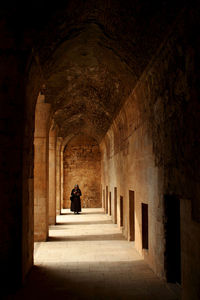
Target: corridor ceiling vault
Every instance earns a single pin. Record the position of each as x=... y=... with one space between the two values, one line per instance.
x=92 y=53
x=105 y=94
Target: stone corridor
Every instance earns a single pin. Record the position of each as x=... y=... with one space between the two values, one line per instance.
x=86 y=257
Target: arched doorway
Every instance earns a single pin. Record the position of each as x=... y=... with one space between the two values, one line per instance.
x=81 y=164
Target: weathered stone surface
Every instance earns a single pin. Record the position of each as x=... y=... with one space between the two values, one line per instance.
x=90 y=55
x=150 y=149
x=58 y=175
x=82 y=166
x=41 y=205
x=52 y=176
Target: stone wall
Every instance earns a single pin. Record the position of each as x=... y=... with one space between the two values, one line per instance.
x=12 y=62
x=82 y=166
x=152 y=148
x=190 y=233
x=41 y=145
x=129 y=164
x=33 y=87
x=51 y=176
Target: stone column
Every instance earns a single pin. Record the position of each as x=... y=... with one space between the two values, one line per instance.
x=52 y=177
x=40 y=171
x=61 y=179
x=58 y=175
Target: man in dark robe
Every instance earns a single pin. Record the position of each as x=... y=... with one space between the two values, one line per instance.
x=75 y=199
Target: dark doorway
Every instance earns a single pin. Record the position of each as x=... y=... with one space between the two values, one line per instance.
x=110 y=204
x=106 y=208
x=172 y=236
x=115 y=205
x=145 y=237
x=131 y=216
x=121 y=211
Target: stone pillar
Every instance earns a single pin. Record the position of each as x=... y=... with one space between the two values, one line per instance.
x=52 y=177
x=58 y=175
x=61 y=179
x=40 y=171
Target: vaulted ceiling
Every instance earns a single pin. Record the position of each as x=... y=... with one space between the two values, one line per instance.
x=92 y=53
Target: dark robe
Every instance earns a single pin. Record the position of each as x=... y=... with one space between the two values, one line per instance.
x=75 y=200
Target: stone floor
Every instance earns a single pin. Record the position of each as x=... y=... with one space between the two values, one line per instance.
x=87 y=257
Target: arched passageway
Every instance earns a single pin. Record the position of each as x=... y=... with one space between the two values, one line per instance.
x=125 y=75
x=82 y=165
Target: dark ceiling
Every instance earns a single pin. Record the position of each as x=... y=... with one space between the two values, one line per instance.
x=92 y=53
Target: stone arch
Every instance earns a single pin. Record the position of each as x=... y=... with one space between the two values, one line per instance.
x=156 y=40
x=81 y=162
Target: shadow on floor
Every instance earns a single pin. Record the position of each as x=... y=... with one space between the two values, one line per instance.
x=83 y=223
x=93 y=281
x=84 y=213
x=106 y=237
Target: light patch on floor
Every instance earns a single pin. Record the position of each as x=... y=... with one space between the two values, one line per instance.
x=86 y=257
